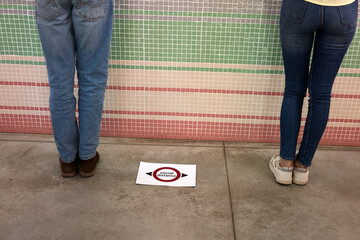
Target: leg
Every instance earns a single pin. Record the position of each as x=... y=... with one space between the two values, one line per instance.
x=296 y=43
x=93 y=27
x=331 y=44
x=57 y=38
x=296 y=34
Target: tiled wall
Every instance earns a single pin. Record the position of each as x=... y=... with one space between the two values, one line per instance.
x=179 y=69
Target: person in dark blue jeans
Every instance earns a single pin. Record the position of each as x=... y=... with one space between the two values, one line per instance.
x=76 y=34
x=328 y=30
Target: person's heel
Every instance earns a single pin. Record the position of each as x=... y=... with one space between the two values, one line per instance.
x=68 y=170
x=87 y=167
x=301 y=176
x=282 y=175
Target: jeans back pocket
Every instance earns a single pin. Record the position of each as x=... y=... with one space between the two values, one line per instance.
x=292 y=11
x=46 y=9
x=348 y=14
x=91 y=10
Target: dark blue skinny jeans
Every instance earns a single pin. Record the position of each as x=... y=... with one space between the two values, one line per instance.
x=328 y=31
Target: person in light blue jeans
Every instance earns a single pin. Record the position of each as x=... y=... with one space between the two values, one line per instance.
x=328 y=30
x=76 y=34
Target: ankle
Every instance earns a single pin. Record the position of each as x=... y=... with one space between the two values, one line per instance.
x=299 y=165
x=286 y=163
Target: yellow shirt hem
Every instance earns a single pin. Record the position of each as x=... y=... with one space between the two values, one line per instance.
x=330 y=3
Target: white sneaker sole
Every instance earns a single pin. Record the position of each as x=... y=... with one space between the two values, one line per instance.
x=299 y=182
x=278 y=178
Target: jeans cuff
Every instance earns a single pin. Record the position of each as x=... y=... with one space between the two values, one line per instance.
x=87 y=157
x=301 y=162
x=68 y=160
x=287 y=158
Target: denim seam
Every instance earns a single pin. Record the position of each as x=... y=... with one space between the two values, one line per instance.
x=309 y=120
x=321 y=16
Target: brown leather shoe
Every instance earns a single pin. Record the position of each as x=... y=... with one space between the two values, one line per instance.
x=68 y=169
x=87 y=167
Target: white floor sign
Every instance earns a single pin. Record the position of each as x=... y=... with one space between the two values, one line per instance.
x=162 y=174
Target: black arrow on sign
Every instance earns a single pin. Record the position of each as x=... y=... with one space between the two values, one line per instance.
x=182 y=175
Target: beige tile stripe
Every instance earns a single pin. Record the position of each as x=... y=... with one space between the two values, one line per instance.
x=22 y=58
x=178 y=79
x=198 y=65
x=177 y=64
x=172 y=102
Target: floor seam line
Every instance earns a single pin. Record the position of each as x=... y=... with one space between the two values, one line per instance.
x=228 y=182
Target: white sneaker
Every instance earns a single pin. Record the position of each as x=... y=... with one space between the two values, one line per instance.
x=301 y=176
x=282 y=175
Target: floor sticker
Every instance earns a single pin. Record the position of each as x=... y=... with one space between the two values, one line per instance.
x=163 y=174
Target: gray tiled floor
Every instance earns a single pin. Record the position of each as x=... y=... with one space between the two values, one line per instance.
x=327 y=208
x=235 y=197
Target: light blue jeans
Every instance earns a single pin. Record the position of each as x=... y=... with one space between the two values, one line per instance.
x=76 y=34
x=328 y=31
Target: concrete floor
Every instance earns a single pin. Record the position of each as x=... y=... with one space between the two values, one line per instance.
x=236 y=196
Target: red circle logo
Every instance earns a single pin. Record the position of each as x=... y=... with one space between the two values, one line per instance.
x=166 y=174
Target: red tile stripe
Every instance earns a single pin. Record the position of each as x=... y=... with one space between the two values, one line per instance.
x=28 y=84
x=25 y=108
x=180 y=90
x=179 y=114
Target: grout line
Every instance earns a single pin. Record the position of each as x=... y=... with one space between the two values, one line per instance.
x=228 y=180
x=160 y=145
x=245 y=145
x=30 y=141
x=124 y=144
x=320 y=147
